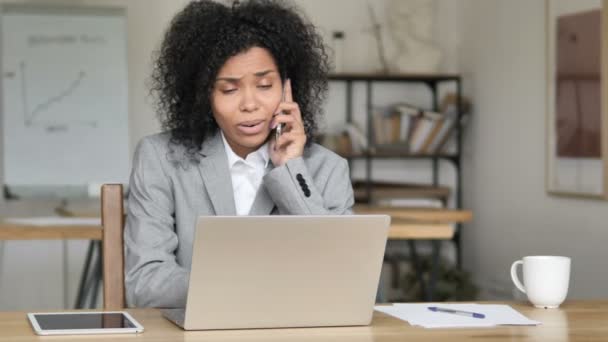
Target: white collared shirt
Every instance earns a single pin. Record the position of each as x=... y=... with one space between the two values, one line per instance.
x=246 y=175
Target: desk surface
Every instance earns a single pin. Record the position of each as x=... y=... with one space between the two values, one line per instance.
x=15 y=231
x=421 y=223
x=574 y=321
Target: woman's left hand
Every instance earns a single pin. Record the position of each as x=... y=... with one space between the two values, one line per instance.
x=290 y=144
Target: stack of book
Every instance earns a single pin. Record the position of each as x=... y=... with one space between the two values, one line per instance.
x=401 y=194
x=415 y=130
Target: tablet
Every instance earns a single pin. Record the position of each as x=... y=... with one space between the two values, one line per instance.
x=75 y=323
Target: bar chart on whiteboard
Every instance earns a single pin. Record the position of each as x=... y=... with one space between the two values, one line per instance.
x=64 y=96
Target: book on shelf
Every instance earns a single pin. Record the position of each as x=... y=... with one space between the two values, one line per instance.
x=387 y=126
x=449 y=144
x=395 y=127
x=409 y=116
x=378 y=127
x=389 y=191
x=444 y=132
x=411 y=203
x=446 y=139
x=392 y=125
x=427 y=127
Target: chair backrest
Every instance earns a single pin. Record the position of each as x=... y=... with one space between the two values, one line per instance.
x=112 y=221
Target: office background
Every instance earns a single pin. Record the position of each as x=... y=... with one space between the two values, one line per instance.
x=498 y=47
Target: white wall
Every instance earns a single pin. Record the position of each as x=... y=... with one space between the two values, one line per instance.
x=504 y=58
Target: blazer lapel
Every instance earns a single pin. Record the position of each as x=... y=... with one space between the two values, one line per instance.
x=214 y=170
x=263 y=203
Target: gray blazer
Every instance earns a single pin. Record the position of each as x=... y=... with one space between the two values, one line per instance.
x=167 y=193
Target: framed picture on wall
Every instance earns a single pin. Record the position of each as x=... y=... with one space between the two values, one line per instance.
x=577 y=98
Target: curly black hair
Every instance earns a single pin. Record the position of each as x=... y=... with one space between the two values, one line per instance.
x=205 y=34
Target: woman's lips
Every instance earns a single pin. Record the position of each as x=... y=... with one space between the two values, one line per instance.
x=251 y=128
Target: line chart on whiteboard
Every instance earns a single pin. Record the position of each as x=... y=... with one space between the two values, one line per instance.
x=43 y=112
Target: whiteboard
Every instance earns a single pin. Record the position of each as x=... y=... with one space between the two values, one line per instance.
x=64 y=96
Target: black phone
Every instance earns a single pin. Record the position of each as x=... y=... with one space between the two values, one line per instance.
x=279 y=129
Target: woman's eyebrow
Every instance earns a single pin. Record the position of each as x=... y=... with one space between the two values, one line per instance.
x=236 y=79
x=229 y=79
x=263 y=73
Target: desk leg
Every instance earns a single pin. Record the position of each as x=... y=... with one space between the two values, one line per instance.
x=65 y=273
x=428 y=290
x=418 y=268
x=97 y=275
x=87 y=275
x=2 y=257
x=434 y=269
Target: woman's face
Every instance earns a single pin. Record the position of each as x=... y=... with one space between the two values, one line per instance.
x=247 y=91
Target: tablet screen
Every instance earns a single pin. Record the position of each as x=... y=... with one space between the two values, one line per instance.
x=83 y=321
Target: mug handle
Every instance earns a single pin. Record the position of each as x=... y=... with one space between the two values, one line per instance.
x=514 y=277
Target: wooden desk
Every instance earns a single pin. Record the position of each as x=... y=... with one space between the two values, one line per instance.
x=407 y=224
x=574 y=321
x=419 y=224
x=18 y=231
x=14 y=231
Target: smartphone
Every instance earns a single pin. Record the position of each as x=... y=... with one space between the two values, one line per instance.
x=279 y=129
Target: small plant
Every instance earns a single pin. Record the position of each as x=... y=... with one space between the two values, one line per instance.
x=451 y=284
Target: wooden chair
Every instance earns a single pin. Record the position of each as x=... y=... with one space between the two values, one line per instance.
x=112 y=221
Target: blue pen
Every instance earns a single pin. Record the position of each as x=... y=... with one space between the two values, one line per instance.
x=457 y=312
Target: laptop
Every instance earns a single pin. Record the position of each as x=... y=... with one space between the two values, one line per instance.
x=283 y=272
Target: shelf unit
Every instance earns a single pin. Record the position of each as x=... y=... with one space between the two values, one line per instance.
x=394 y=191
x=432 y=81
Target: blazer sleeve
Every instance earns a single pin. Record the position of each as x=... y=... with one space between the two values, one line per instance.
x=295 y=192
x=152 y=275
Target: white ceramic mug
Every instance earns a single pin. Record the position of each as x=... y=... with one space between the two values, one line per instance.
x=546 y=279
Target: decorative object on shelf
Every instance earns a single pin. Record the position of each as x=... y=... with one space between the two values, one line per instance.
x=344 y=144
x=338 y=51
x=350 y=141
x=357 y=138
x=577 y=98
x=410 y=27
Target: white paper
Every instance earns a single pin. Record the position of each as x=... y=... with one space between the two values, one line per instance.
x=419 y=315
x=55 y=221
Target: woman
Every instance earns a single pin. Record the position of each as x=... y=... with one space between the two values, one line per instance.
x=226 y=78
